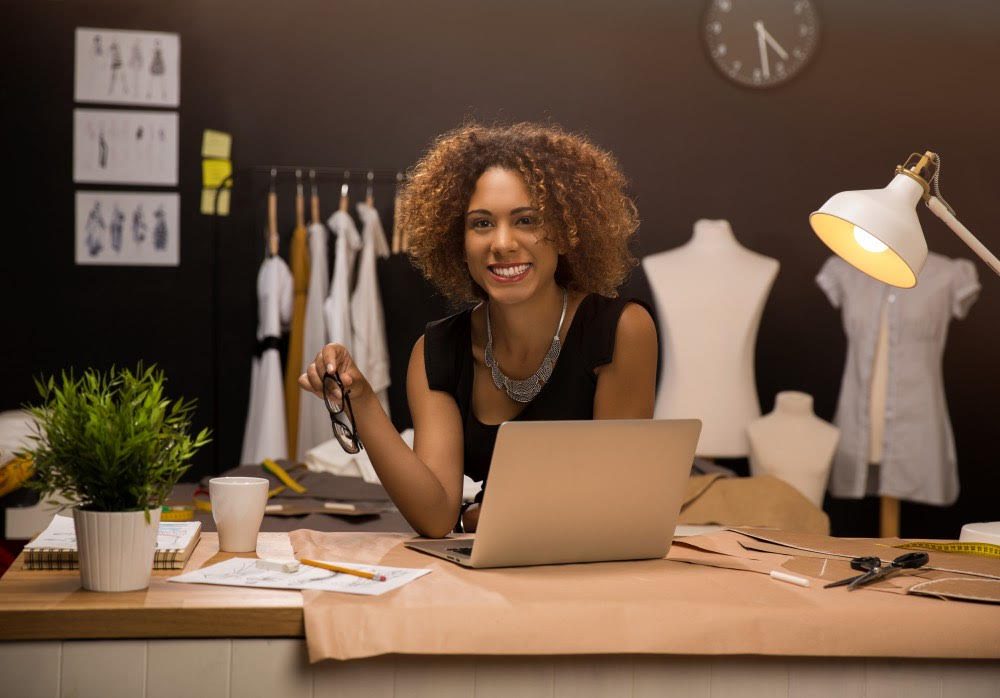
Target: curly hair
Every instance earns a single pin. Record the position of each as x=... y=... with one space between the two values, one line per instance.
x=576 y=186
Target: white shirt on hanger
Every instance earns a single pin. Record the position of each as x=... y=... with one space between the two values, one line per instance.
x=265 y=435
x=314 y=421
x=370 y=348
x=337 y=308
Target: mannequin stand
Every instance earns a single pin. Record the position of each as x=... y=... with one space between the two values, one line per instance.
x=889 y=518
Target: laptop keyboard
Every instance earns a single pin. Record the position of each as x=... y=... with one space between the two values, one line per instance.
x=461 y=551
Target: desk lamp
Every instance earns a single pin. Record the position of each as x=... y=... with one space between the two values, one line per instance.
x=877 y=230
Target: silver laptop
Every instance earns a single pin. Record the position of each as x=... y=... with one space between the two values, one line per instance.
x=578 y=491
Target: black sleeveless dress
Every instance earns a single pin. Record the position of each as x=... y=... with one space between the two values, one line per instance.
x=569 y=394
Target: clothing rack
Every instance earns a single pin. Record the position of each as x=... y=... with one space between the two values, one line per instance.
x=327 y=173
x=332 y=173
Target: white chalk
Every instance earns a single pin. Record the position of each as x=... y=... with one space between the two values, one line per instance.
x=340 y=506
x=790 y=578
x=278 y=565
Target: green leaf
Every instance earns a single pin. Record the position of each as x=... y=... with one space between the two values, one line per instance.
x=111 y=440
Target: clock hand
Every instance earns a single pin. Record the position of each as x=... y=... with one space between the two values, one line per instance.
x=765 y=68
x=774 y=44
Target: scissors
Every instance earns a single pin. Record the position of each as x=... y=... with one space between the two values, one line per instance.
x=872 y=569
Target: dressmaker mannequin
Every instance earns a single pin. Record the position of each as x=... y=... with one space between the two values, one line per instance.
x=709 y=295
x=794 y=444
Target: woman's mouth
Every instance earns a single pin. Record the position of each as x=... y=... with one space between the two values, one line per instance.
x=509 y=273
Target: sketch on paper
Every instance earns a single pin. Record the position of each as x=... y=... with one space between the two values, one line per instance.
x=127 y=67
x=125 y=146
x=244 y=572
x=118 y=228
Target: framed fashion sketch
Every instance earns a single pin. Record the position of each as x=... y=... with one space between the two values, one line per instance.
x=125 y=146
x=127 y=67
x=128 y=228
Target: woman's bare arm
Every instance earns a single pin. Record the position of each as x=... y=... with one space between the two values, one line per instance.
x=424 y=483
x=626 y=387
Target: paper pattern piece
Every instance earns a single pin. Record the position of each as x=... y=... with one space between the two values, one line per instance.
x=127 y=67
x=244 y=572
x=128 y=228
x=125 y=146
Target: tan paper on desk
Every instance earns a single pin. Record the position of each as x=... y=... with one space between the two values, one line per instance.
x=640 y=607
x=750 y=501
x=946 y=575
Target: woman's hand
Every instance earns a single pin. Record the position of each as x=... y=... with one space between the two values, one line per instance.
x=335 y=358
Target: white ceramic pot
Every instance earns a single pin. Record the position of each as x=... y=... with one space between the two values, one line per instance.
x=116 y=548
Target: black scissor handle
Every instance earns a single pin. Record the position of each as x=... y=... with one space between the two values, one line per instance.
x=865 y=564
x=911 y=560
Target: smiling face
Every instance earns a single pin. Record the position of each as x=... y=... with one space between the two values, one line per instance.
x=506 y=248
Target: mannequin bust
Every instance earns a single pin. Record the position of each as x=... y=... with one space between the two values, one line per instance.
x=794 y=444
x=709 y=296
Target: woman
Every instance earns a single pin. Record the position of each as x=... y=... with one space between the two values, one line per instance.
x=533 y=223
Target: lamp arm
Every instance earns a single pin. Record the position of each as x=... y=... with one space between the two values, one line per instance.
x=942 y=212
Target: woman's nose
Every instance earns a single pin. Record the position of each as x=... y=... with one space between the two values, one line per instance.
x=503 y=238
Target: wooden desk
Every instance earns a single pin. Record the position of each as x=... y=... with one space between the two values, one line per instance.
x=47 y=604
x=220 y=641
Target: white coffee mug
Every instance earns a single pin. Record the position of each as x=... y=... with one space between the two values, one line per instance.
x=238 y=508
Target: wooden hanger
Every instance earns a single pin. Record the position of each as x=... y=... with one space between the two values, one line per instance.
x=313 y=199
x=343 y=191
x=272 y=216
x=370 y=191
x=299 y=201
x=395 y=216
x=404 y=236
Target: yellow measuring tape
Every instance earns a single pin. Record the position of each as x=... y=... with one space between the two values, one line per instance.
x=968 y=547
x=280 y=473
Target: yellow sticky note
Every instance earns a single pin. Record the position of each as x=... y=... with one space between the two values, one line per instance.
x=216 y=144
x=208 y=202
x=214 y=172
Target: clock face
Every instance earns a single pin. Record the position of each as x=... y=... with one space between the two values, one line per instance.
x=761 y=43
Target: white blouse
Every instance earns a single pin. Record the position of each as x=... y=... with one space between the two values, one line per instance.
x=918 y=455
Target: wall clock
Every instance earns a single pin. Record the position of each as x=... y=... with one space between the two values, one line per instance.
x=761 y=43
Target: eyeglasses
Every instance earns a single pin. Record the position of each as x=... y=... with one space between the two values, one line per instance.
x=345 y=430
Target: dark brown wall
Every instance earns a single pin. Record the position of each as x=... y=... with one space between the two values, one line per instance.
x=369 y=83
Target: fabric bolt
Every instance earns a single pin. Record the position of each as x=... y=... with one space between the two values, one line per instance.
x=265 y=435
x=918 y=454
x=369 y=346
x=337 y=307
x=569 y=394
x=314 y=421
x=299 y=255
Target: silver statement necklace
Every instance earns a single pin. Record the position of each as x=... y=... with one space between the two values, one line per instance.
x=524 y=390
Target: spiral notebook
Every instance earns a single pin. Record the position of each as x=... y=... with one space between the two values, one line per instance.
x=55 y=547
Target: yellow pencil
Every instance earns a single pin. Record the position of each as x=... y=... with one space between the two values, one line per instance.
x=345 y=570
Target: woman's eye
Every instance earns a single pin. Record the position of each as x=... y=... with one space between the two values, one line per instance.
x=480 y=223
x=526 y=220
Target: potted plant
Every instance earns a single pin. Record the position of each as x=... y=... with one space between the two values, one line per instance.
x=115 y=445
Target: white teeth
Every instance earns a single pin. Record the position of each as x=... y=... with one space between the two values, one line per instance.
x=510 y=271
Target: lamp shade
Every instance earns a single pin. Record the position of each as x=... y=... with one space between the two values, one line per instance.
x=876 y=230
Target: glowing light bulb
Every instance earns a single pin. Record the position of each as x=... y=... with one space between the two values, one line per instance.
x=868 y=241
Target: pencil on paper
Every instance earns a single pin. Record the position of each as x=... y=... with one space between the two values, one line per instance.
x=345 y=570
